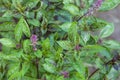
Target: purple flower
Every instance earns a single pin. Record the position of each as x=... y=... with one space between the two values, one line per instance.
x=65 y=74
x=77 y=47
x=95 y=6
x=98 y=3
x=34 y=40
x=91 y=10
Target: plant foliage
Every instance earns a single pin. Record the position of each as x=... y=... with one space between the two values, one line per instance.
x=57 y=40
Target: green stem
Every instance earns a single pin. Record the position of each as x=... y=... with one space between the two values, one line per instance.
x=93 y=73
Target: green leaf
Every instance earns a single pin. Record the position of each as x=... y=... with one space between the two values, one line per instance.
x=77 y=76
x=8 y=34
x=46 y=44
x=74 y=10
x=12 y=55
x=68 y=1
x=21 y=27
x=49 y=67
x=38 y=53
x=33 y=71
x=25 y=27
x=28 y=78
x=25 y=67
x=99 y=63
x=113 y=74
x=107 y=30
x=109 y=4
x=105 y=53
x=8 y=13
x=55 y=0
x=73 y=33
x=79 y=67
x=65 y=26
x=92 y=40
x=92 y=48
x=7 y=26
x=49 y=60
x=29 y=15
x=8 y=57
x=112 y=44
x=85 y=36
x=63 y=16
x=15 y=75
x=5 y=19
x=27 y=46
x=18 y=30
x=7 y=42
x=65 y=44
x=96 y=23
x=34 y=22
x=60 y=78
x=96 y=49
x=13 y=71
x=32 y=3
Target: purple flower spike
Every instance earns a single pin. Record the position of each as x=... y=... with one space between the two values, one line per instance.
x=98 y=3
x=65 y=74
x=77 y=47
x=34 y=40
x=95 y=6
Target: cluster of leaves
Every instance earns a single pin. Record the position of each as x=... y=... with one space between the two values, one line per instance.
x=66 y=47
